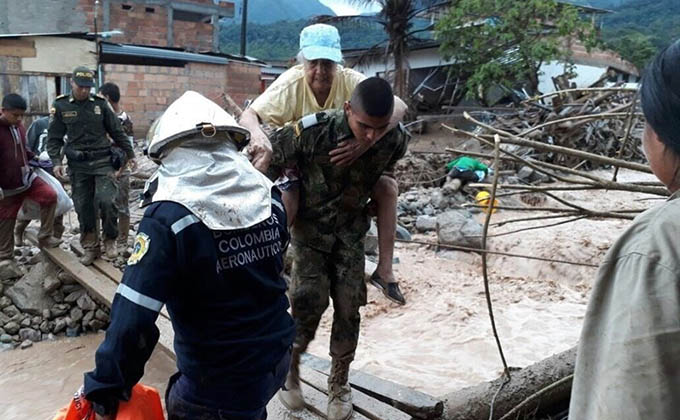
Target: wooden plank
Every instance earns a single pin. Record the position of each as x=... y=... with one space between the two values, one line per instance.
x=17 y=48
x=363 y=404
x=317 y=402
x=416 y=403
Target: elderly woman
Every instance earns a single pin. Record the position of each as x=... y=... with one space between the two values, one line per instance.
x=321 y=83
x=628 y=362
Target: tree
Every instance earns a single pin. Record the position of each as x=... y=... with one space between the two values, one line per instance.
x=396 y=17
x=633 y=46
x=506 y=41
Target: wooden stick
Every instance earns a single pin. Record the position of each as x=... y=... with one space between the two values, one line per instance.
x=513 y=139
x=561 y=92
x=485 y=231
x=576 y=118
x=573 y=219
x=629 y=126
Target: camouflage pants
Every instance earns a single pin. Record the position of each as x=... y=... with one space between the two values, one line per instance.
x=318 y=275
x=92 y=193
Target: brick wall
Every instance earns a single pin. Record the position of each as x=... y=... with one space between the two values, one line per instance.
x=194 y=36
x=139 y=25
x=243 y=82
x=146 y=91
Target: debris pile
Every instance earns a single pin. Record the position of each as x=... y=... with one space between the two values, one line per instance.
x=46 y=303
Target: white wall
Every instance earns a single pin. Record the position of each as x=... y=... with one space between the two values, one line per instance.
x=417 y=59
x=586 y=75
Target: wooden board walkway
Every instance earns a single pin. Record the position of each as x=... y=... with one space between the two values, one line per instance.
x=373 y=398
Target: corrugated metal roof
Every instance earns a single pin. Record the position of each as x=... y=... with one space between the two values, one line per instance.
x=160 y=53
x=84 y=35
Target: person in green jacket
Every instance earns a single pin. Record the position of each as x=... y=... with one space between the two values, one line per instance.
x=465 y=169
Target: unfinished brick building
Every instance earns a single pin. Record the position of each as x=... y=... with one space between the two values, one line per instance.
x=154 y=50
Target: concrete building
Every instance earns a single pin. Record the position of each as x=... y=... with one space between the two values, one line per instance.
x=155 y=50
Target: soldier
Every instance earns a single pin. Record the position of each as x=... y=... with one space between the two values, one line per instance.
x=328 y=235
x=112 y=94
x=87 y=119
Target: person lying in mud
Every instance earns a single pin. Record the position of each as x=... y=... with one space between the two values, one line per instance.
x=331 y=225
x=209 y=247
x=317 y=84
x=628 y=360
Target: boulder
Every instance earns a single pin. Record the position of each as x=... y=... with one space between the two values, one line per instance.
x=11 y=311
x=5 y=302
x=11 y=328
x=403 y=233
x=66 y=278
x=458 y=227
x=59 y=325
x=51 y=284
x=28 y=294
x=9 y=271
x=76 y=314
x=30 y=334
x=426 y=223
x=26 y=344
x=86 y=303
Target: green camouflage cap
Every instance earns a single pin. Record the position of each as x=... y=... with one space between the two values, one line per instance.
x=83 y=76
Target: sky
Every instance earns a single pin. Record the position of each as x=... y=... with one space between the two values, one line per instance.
x=342 y=7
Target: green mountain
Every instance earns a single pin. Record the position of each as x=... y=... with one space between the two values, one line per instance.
x=268 y=11
x=280 y=40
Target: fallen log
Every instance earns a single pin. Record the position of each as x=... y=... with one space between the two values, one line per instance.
x=529 y=389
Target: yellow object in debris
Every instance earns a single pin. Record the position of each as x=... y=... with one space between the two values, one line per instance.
x=482 y=199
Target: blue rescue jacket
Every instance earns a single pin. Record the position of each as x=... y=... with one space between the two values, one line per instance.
x=224 y=293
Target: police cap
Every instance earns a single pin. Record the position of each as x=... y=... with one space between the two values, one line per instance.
x=83 y=76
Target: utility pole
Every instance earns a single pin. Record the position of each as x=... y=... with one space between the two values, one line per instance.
x=244 y=23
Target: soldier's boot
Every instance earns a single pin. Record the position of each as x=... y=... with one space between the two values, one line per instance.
x=291 y=393
x=110 y=249
x=123 y=232
x=89 y=255
x=19 y=229
x=45 y=238
x=339 y=391
x=91 y=249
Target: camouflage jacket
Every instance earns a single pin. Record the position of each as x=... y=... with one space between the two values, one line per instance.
x=86 y=123
x=333 y=199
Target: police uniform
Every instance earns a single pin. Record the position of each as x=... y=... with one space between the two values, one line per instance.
x=226 y=299
x=88 y=151
x=331 y=224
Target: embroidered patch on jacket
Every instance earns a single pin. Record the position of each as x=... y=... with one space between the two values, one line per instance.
x=69 y=114
x=140 y=248
x=97 y=110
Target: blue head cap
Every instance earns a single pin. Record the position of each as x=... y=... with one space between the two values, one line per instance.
x=320 y=42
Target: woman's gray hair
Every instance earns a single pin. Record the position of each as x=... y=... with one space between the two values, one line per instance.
x=300 y=58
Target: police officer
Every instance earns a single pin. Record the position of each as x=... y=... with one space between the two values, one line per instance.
x=328 y=235
x=87 y=119
x=210 y=248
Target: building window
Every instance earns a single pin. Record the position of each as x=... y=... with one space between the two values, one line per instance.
x=126 y=6
x=150 y=10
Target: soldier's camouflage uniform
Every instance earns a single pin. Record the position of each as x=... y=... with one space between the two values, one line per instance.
x=331 y=224
x=86 y=123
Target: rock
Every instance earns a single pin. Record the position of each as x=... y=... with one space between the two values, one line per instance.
x=18 y=317
x=28 y=294
x=101 y=315
x=60 y=309
x=96 y=325
x=525 y=173
x=10 y=271
x=59 y=325
x=5 y=302
x=58 y=296
x=4 y=319
x=6 y=347
x=73 y=332
x=76 y=314
x=87 y=319
x=5 y=338
x=30 y=334
x=438 y=200
x=51 y=337
x=458 y=227
x=26 y=322
x=36 y=258
x=26 y=344
x=45 y=327
x=66 y=278
x=426 y=223
x=10 y=311
x=403 y=233
x=51 y=284
x=73 y=296
x=86 y=303
x=428 y=210
x=2 y=331
x=36 y=320
x=46 y=314
x=371 y=242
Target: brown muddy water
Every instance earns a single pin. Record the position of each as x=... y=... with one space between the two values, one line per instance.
x=36 y=382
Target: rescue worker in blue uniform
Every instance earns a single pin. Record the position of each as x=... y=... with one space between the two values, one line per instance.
x=210 y=248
